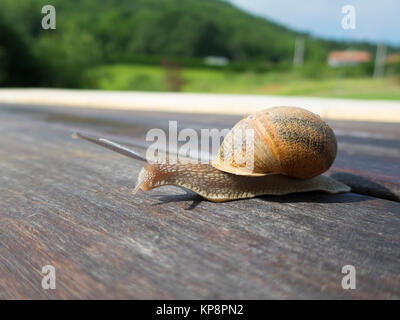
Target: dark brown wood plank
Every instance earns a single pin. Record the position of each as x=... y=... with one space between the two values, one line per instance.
x=68 y=203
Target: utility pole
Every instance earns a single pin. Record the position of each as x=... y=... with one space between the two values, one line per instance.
x=299 y=47
x=379 y=69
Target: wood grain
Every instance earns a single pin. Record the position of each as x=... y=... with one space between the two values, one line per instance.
x=67 y=203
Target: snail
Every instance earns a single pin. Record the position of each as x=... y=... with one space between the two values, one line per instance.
x=289 y=149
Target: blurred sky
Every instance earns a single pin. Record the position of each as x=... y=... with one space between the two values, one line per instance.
x=376 y=20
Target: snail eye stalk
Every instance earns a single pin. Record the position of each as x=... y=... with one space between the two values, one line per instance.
x=111 y=146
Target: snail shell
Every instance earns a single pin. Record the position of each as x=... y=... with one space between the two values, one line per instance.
x=285 y=140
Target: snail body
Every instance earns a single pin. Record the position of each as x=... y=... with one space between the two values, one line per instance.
x=219 y=186
x=288 y=150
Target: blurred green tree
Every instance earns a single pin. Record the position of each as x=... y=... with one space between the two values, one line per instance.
x=18 y=67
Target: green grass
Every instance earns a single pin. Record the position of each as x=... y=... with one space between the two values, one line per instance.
x=153 y=78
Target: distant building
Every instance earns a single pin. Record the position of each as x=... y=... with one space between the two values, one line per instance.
x=216 y=61
x=393 y=58
x=348 y=58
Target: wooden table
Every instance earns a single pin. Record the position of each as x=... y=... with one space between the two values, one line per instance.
x=67 y=203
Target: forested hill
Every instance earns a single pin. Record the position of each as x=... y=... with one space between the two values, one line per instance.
x=93 y=32
x=176 y=27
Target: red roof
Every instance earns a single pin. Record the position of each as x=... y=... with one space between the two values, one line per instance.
x=350 y=56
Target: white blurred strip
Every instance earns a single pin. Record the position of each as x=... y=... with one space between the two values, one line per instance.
x=328 y=108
